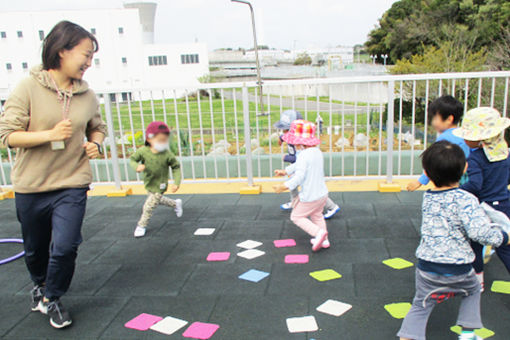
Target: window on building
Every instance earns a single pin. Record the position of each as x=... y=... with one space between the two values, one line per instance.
x=24 y=65
x=20 y=34
x=3 y=35
x=189 y=59
x=41 y=35
x=93 y=31
x=158 y=60
x=8 y=66
x=97 y=62
x=124 y=60
x=121 y=30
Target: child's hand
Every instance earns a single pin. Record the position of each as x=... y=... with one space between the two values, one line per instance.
x=174 y=188
x=280 y=172
x=412 y=186
x=140 y=168
x=278 y=188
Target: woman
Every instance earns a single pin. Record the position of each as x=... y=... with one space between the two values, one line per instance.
x=52 y=119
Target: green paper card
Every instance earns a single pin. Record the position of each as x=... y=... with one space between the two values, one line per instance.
x=398 y=263
x=501 y=287
x=482 y=332
x=325 y=275
x=398 y=310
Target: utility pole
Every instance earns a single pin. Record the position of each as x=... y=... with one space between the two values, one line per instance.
x=259 y=79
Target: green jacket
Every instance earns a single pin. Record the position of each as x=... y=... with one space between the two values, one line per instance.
x=156 y=168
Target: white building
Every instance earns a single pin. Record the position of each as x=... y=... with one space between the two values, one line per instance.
x=127 y=58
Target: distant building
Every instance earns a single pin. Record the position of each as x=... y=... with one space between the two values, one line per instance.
x=127 y=59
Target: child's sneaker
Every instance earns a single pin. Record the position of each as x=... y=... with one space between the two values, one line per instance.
x=480 y=278
x=286 y=206
x=319 y=239
x=325 y=244
x=36 y=294
x=469 y=336
x=331 y=212
x=178 y=207
x=139 y=232
x=59 y=317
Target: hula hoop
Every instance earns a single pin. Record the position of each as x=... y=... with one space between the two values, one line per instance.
x=15 y=257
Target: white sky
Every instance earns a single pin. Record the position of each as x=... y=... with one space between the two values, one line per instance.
x=220 y=23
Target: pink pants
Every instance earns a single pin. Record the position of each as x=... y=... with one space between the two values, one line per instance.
x=308 y=215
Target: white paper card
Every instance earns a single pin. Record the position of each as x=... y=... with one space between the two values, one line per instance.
x=302 y=324
x=249 y=244
x=169 y=325
x=204 y=231
x=333 y=307
x=251 y=253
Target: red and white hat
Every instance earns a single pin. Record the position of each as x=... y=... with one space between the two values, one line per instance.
x=156 y=127
x=301 y=132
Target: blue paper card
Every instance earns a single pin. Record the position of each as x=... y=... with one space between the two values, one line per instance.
x=254 y=275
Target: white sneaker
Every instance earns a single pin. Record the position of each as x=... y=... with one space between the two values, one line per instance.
x=325 y=244
x=319 y=239
x=178 y=207
x=286 y=206
x=331 y=212
x=480 y=278
x=469 y=336
x=139 y=232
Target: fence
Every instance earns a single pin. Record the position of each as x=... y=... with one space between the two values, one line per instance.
x=370 y=127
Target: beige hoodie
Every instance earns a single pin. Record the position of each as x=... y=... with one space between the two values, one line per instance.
x=34 y=106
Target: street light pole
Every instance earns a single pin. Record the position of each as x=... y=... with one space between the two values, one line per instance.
x=385 y=56
x=259 y=80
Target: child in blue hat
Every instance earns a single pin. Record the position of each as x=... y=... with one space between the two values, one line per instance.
x=286 y=119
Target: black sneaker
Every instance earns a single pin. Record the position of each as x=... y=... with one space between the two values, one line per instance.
x=36 y=294
x=59 y=317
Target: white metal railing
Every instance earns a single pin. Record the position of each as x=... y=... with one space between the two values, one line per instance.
x=372 y=126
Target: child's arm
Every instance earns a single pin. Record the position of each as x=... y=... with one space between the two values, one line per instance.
x=475 y=178
x=176 y=172
x=478 y=225
x=134 y=161
x=298 y=170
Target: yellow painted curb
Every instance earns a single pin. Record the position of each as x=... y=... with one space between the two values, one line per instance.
x=119 y=193
x=389 y=187
x=253 y=190
x=6 y=194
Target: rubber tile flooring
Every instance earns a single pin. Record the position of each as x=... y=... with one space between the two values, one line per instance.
x=166 y=273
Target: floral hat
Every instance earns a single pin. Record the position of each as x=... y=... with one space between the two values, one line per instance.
x=482 y=123
x=301 y=132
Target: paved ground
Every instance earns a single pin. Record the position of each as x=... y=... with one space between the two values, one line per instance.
x=118 y=277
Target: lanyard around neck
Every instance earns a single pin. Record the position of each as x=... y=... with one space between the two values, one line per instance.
x=63 y=98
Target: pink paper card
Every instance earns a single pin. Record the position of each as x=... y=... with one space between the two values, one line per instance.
x=143 y=322
x=222 y=256
x=296 y=259
x=284 y=243
x=200 y=330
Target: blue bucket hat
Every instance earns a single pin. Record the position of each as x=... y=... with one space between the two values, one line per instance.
x=286 y=118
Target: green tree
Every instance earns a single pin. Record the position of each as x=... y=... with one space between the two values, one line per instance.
x=303 y=59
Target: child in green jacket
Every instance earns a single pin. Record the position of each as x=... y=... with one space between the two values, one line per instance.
x=153 y=160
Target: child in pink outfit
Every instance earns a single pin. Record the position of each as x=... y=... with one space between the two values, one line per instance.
x=307 y=172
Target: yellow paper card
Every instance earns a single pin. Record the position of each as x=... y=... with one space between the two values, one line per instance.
x=398 y=310
x=325 y=275
x=398 y=263
x=501 y=287
x=482 y=332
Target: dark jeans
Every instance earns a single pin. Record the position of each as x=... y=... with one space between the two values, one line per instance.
x=503 y=252
x=51 y=226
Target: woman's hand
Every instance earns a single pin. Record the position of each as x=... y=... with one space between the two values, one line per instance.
x=91 y=149
x=140 y=168
x=174 y=188
x=62 y=131
x=280 y=172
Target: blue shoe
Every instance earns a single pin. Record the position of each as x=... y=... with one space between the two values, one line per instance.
x=286 y=206
x=331 y=212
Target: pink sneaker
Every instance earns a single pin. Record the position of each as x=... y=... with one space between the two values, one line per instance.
x=319 y=239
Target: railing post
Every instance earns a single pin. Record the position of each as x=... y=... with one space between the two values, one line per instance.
x=389 y=131
x=247 y=136
x=111 y=139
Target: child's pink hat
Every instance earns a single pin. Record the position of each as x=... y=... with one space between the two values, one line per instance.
x=301 y=132
x=156 y=127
